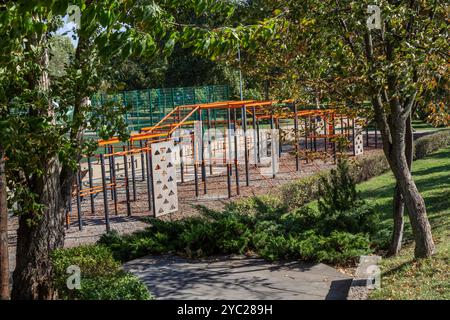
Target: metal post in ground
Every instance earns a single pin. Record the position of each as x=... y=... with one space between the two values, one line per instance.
x=244 y=122
x=229 y=168
x=325 y=132
x=334 y=138
x=353 y=137
x=91 y=184
x=306 y=138
x=296 y=138
x=367 y=135
x=151 y=181
x=202 y=151
x=195 y=165
x=111 y=170
x=142 y=160
x=105 y=193
x=80 y=221
x=376 y=136
x=208 y=114
x=149 y=185
x=126 y=181
x=236 y=165
x=255 y=144
x=133 y=176
x=114 y=181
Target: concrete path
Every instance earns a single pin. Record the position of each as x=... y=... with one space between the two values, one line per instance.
x=238 y=278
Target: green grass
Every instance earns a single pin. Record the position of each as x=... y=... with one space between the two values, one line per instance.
x=402 y=276
x=420 y=125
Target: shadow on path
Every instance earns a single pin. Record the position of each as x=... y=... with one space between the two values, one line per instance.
x=238 y=278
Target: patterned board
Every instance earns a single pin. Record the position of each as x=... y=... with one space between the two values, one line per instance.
x=269 y=155
x=164 y=178
x=359 y=140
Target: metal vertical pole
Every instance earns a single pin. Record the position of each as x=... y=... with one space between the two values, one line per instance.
x=376 y=136
x=69 y=213
x=149 y=186
x=297 y=156
x=236 y=151
x=91 y=185
x=181 y=160
x=306 y=138
x=353 y=136
x=367 y=135
x=229 y=168
x=133 y=175
x=142 y=160
x=334 y=138
x=325 y=131
x=151 y=181
x=111 y=170
x=126 y=181
x=195 y=165
x=244 y=122
x=202 y=151
x=208 y=114
x=114 y=182
x=258 y=140
x=80 y=221
x=255 y=144
x=105 y=193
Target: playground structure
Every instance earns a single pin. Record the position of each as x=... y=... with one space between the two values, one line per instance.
x=198 y=143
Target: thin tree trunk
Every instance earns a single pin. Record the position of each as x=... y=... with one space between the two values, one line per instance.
x=397 y=233
x=415 y=205
x=4 y=254
x=398 y=203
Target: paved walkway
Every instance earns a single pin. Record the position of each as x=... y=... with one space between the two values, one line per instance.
x=238 y=278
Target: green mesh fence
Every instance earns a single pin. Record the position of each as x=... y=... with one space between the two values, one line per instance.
x=147 y=107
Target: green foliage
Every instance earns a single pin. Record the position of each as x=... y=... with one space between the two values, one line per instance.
x=338 y=190
x=101 y=275
x=120 y=286
x=431 y=143
x=274 y=227
x=258 y=225
x=302 y=191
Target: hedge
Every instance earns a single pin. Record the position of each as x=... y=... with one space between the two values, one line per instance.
x=305 y=190
x=102 y=277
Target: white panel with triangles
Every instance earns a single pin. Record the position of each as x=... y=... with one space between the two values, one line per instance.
x=164 y=178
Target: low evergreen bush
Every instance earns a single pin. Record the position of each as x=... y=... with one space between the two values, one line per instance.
x=101 y=275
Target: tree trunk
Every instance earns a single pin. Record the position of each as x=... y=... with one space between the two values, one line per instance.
x=398 y=203
x=37 y=237
x=41 y=231
x=415 y=205
x=397 y=233
x=4 y=254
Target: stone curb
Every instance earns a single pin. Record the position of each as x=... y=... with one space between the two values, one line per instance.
x=365 y=278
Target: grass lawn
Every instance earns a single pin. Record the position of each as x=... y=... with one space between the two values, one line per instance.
x=402 y=276
x=420 y=126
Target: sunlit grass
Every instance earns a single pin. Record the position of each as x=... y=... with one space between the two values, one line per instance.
x=402 y=276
